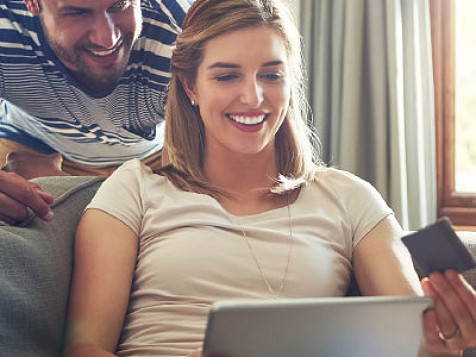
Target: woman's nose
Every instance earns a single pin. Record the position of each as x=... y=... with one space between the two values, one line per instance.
x=252 y=94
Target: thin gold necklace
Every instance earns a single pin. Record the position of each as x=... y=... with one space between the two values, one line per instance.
x=273 y=292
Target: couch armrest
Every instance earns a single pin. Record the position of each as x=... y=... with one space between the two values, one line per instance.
x=35 y=269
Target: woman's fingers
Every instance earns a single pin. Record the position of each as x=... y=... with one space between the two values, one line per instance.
x=433 y=341
x=447 y=340
x=464 y=313
x=464 y=290
x=446 y=323
x=457 y=307
x=453 y=314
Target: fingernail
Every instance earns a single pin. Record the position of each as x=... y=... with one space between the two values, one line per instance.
x=426 y=287
x=49 y=216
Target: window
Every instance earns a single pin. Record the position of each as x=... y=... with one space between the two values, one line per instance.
x=454 y=58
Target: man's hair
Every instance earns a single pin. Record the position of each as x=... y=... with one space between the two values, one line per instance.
x=185 y=135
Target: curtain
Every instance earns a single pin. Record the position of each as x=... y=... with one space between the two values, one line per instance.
x=370 y=88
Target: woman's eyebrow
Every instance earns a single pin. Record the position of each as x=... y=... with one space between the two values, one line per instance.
x=234 y=65
x=223 y=65
x=273 y=63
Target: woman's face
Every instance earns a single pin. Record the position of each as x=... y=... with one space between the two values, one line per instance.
x=242 y=89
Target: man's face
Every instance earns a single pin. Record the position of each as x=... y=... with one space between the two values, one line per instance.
x=92 y=38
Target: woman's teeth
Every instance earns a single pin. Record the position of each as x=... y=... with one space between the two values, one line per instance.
x=247 y=120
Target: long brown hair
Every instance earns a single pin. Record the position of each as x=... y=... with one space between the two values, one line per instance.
x=185 y=136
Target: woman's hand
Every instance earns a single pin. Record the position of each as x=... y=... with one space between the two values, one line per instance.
x=450 y=326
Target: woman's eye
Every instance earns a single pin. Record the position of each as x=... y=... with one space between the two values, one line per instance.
x=272 y=77
x=226 y=77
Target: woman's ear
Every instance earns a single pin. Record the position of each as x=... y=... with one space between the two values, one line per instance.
x=189 y=90
x=33 y=6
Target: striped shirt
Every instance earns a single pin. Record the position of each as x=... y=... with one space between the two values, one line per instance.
x=43 y=107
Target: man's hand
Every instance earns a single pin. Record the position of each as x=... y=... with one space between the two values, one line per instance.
x=30 y=165
x=17 y=194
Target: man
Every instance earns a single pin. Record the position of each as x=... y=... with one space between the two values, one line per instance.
x=85 y=79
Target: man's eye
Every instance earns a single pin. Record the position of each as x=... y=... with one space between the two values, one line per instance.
x=226 y=77
x=120 y=5
x=74 y=13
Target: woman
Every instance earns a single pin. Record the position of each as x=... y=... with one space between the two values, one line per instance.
x=243 y=211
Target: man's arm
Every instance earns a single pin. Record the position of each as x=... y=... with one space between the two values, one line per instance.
x=16 y=193
x=30 y=165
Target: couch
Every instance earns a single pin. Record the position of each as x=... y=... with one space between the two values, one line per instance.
x=35 y=269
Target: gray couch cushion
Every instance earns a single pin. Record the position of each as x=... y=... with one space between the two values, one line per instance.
x=35 y=270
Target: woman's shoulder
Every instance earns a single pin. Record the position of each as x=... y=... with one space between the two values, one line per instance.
x=338 y=177
x=135 y=167
x=134 y=172
x=132 y=165
x=343 y=186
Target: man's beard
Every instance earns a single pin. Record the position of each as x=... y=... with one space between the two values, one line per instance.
x=98 y=80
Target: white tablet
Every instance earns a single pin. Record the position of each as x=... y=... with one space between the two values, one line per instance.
x=389 y=326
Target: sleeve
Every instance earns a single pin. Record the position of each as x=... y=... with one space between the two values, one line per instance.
x=2 y=83
x=121 y=195
x=174 y=9
x=5 y=33
x=16 y=40
x=364 y=205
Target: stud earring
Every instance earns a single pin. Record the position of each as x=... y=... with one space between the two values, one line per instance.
x=193 y=102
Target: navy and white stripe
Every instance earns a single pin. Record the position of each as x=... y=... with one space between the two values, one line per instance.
x=38 y=96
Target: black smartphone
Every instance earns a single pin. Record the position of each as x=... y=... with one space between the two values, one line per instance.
x=437 y=248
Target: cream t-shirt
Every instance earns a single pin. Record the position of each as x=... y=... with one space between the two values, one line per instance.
x=193 y=253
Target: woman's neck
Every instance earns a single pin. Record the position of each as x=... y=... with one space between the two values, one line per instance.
x=246 y=181
x=239 y=174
